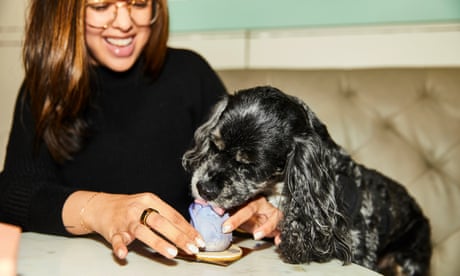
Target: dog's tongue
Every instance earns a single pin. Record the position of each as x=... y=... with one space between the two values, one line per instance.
x=216 y=209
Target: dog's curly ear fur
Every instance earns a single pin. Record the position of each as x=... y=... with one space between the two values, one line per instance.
x=317 y=230
x=193 y=157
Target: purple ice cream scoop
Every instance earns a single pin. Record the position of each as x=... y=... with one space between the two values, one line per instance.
x=209 y=224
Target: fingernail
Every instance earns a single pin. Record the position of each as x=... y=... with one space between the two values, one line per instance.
x=226 y=229
x=120 y=253
x=200 y=242
x=277 y=241
x=172 y=251
x=258 y=235
x=193 y=248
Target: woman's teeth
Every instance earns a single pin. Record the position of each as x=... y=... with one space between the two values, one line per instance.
x=120 y=41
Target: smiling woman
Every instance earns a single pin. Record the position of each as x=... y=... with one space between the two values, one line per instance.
x=68 y=47
x=90 y=150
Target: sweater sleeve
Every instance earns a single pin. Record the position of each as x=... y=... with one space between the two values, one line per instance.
x=31 y=195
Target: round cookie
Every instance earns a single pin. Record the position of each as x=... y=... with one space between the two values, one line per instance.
x=232 y=253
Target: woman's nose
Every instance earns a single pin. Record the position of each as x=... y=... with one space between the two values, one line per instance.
x=123 y=20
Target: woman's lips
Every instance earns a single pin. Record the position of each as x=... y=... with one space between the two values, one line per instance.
x=120 y=47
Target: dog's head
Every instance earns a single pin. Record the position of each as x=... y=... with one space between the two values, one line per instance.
x=243 y=149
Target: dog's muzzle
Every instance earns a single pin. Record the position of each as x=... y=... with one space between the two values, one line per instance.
x=208 y=191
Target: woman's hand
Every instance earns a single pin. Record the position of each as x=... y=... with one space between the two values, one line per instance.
x=258 y=217
x=117 y=218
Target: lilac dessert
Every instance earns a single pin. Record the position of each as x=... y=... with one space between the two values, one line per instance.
x=209 y=224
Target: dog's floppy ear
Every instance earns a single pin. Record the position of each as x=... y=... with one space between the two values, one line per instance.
x=193 y=157
x=311 y=191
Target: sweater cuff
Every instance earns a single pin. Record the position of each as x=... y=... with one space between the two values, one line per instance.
x=45 y=214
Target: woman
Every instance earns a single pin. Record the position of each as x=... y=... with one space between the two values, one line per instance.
x=105 y=113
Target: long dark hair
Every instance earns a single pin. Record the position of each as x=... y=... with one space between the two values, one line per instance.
x=57 y=67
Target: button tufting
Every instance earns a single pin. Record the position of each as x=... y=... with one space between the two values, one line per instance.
x=349 y=93
x=425 y=94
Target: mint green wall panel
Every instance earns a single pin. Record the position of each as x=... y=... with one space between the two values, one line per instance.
x=203 y=15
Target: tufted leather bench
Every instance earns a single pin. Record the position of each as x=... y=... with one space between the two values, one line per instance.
x=403 y=122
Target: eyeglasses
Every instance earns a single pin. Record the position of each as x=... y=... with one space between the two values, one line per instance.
x=102 y=13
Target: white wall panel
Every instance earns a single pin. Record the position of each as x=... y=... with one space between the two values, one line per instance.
x=345 y=47
x=12 y=14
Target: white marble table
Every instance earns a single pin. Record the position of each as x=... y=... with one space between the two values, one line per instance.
x=52 y=255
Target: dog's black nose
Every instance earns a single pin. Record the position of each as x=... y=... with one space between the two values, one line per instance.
x=207 y=190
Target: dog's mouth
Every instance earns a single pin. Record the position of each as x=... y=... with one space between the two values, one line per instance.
x=220 y=211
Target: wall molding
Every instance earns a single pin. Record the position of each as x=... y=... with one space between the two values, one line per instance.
x=11 y=29
x=10 y=43
x=11 y=36
x=408 y=45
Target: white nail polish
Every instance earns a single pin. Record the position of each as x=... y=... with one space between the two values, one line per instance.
x=226 y=229
x=120 y=254
x=193 y=248
x=200 y=242
x=172 y=251
x=258 y=235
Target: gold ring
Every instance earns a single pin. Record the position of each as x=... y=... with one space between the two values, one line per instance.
x=146 y=213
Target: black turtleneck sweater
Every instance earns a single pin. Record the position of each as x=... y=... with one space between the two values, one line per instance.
x=139 y=130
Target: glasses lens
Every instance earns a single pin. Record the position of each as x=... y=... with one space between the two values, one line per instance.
x=142 y=13
x=101 y=14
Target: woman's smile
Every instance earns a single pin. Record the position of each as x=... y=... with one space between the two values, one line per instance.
x=120 y=47
x=122 y=42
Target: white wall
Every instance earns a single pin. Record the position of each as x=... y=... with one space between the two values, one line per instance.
x=11 y=33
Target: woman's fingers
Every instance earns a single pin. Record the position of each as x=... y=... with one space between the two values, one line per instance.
x=173 y=218
x=119 y=246
x=145 y=217
x=155 y=241
x=169 y=230
x=241 y=216
x=258 y=217
x=174 y=226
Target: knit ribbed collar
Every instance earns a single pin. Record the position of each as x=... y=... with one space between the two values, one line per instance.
x=106 y=78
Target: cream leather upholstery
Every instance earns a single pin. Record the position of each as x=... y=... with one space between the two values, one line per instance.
x=403 y=122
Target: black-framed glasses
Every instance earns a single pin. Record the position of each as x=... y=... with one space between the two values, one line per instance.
x=102 y=13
